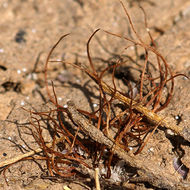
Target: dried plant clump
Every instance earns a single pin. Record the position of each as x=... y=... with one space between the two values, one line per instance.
x=79 y=135
x=137 y=121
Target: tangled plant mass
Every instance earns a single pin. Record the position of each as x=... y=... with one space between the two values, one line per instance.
x=121 y=123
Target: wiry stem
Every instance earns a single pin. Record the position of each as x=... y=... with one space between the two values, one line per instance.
x=150 y=115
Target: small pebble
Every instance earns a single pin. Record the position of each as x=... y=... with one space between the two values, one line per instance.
x=177 y=117
x=95 y=105
x=33 y=30
x=9 y=138
x=19 y=71
x=19 y=37
x=59 y=98
x=24 y=69
x=151 y=149
x=78 y=81
x=65 y=106
x=147 y=29
x=169 y=132
x=4 y=154
x=132 y=47
x=22 y=103
x=1 y=50
x=130 y=148
x=33 y=76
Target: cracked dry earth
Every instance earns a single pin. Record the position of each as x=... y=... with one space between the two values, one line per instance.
x=28 y=30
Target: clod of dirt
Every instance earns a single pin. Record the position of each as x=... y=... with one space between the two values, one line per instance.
x=19 y=38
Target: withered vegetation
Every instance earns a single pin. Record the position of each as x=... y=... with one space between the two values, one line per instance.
x=120 y=123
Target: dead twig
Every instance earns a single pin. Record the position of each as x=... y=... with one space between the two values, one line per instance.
x=149 y=114
x=97 y=179
x=28 y=154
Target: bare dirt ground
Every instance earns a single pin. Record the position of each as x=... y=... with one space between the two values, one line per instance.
x=29 y=28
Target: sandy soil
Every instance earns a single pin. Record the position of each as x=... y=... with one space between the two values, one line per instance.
x=29 y=28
